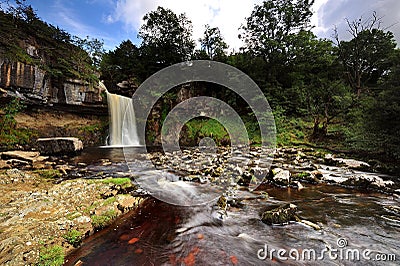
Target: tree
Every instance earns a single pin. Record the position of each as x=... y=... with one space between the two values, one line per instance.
x=317 y=79
x=379 y=125
x=366 y=56
x=167 y=38
x=271 y=26
x=122 y=64
x=92 y=46
x=213 y=43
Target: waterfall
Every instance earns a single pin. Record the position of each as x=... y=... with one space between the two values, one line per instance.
x=122 y=128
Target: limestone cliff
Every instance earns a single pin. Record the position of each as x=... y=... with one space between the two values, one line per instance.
x=45 y=65
x=33 y=84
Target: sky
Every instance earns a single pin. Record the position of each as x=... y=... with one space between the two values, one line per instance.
x=114 y=21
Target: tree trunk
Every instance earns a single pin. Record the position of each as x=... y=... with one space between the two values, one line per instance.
x=319 y=132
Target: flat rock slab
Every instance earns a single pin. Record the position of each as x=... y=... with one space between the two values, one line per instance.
x=60 y=145
x=27 y=156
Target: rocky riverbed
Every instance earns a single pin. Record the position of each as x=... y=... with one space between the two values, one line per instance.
x=41 y=215
x=49 y=202
x=287 y=167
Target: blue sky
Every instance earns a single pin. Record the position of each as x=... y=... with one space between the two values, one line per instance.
x=86 y=18
x=114 y=21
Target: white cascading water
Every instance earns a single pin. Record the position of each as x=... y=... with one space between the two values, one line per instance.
x=122 y=128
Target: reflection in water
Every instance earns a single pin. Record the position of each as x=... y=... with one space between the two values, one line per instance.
x=163 y=234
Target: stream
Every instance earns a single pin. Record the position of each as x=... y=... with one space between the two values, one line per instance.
x=357 y=228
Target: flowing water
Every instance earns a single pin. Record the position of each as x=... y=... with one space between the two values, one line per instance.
x=355 y=225
x=122 y=131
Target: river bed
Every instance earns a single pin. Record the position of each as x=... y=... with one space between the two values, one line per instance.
x=357 y=228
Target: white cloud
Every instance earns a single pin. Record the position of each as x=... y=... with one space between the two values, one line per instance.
x=333 y=13
x=65 y=18
x=228 y=15
x=317 y=18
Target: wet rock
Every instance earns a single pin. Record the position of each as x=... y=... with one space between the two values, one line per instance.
x=220 y=209
x=4 y=165
x=245 y=179
x=308 y=223
x=127 y=202
x=393 y=209
x=61 y=145
x=222 y=203
x=15 y=163
x=297 y=185
x=349 y=163
x=280 y=215
x=365 y=181
x=281 y=177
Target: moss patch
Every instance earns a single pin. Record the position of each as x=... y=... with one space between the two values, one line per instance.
x=73 y=237
x=51 y=256
x=101 y=221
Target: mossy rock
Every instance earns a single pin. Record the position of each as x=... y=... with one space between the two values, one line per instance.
x=280 y=215
x=222 y=203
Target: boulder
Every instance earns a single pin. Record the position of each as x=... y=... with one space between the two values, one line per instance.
x=281 y=177
x=60 y=145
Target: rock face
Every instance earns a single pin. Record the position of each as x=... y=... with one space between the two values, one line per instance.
x=33 y=84
x=65 y=145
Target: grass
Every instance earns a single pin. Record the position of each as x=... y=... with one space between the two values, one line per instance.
x=90 y=208
x=73 y=237
x=101 y=221
x=73 y=215
x=302 y=175
x=109 y=201
x=121 y=181
x=48 y=173
x=289 y=130
x=51 y=256
x=199 y=128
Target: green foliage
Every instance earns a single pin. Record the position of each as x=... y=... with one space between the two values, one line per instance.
x=290 y=129
x=48 y=173
x=73 y=237
x=109 y=201
x=213 y=44
x=10 y=134
x=121 y=181
x=166 y=39
x=122 y=64
x=200 y=128
x=101 y=221
x=271 y=27
x=59 y=54
x=51 y=256
x=366 y=57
